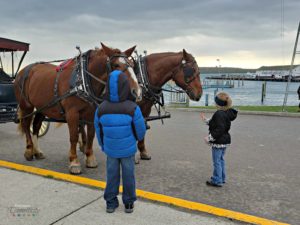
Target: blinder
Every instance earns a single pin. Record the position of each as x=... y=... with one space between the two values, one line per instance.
x=110 y=67
x=188 y=72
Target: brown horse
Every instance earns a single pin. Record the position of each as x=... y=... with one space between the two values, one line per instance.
x=180 y=67
x=42 y=88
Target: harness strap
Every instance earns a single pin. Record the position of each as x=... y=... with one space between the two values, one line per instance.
x=150 y=92
x=21 y=83
x=62 y=111
x=52 y=103
x=89 y=94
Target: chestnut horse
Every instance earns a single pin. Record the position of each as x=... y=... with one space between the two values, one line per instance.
x=160 y=68
x=40 y=86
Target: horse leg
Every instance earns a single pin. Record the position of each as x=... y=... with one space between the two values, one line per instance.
x=82 y=138
x=91 y=161
x=24 y=127
x=37 y=123
x=146 y=109
x=72 y=118
x=143 y=152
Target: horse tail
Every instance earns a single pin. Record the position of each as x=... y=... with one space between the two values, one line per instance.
x=20 y=116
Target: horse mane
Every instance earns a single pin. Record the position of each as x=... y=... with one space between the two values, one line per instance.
x=164 y=54
x=100 y=51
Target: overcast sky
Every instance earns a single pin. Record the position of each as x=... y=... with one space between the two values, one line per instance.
x=241 y=33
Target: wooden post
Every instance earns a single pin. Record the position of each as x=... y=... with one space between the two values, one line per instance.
x=263 y=91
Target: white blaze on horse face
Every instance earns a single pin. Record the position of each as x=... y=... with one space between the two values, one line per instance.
x=138 y=89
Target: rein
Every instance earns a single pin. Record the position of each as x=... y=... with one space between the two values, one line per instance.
x=154 y=93
x=83 y=83
x=82 y=88
x=150 y=92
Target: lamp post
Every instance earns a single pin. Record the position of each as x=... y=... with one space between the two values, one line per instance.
x=219 y=66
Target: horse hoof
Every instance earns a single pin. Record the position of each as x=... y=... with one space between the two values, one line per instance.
x=75 y=169
x=91 y=162
x=28 y=155
x=39 y=155
x=145 y=156
x=136 y=160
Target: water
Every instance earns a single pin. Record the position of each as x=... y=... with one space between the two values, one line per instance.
x=250 y=93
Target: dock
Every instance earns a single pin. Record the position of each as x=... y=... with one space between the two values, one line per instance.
x=206 y=86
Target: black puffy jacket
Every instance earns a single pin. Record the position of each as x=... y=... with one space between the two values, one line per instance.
x=219 y=126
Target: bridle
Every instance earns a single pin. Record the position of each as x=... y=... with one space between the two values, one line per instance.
x=83 y=85
x=189 y=71
x=111 y=66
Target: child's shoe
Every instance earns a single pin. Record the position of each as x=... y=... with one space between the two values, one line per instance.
x=129 y=207
x=209 y=183
x=110 y=209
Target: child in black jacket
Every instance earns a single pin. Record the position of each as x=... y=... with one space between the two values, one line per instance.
x=219 y=137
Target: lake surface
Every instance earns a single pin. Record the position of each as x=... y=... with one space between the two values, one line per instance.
x=249 y=93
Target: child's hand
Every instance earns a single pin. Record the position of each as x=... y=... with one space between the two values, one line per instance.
x=206 y=140
x=202 y=116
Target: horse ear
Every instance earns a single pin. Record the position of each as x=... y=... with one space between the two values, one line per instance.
x=129 y=51
x=108 y=51
x=184 y=54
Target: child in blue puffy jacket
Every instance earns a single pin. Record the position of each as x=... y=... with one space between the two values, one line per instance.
x=119 y=123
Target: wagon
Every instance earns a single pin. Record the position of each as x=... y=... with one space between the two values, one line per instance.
x=8 y=102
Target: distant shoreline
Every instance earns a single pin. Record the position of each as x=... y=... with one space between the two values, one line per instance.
x=252 y=78
x=226 y=70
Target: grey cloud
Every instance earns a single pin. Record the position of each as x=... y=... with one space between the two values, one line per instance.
x=210 y=26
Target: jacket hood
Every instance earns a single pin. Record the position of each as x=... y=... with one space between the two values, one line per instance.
x=232 y=114
x=118 y=88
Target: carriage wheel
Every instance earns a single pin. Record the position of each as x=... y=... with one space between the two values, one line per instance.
x=43 y=130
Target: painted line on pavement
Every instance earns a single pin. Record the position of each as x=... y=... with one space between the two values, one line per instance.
x=146 y=195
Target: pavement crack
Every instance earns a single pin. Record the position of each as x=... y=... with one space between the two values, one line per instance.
x=81 y=207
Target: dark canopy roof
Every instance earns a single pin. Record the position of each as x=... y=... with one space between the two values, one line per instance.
x=12 y=45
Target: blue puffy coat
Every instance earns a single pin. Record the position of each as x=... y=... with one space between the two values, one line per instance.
x=118 y=121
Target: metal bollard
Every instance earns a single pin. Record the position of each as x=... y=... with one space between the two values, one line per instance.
x=215 y=92
x=206 y=99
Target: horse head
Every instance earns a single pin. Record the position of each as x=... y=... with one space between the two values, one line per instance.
x=187 y=76
x=117 y=60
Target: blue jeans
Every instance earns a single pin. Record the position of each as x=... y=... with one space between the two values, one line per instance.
x=219 y=174
x=113 y=181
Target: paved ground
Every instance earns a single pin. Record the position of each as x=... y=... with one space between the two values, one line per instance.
x=262 y=163
x=29 y=199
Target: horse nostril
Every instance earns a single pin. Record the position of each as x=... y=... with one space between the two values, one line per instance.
x=139 y=98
